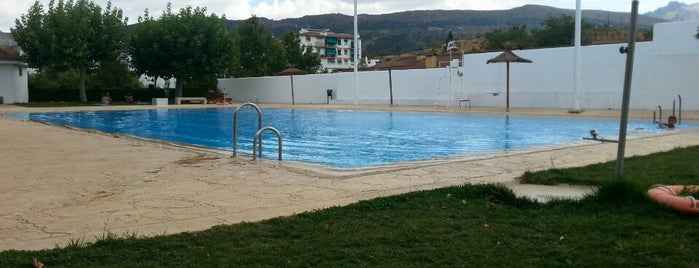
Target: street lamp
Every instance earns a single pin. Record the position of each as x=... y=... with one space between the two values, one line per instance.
x=356 y=44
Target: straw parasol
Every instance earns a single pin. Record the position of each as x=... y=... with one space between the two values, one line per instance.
x=291 y=71
x=507 y=56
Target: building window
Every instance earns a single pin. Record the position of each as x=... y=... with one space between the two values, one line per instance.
x=21 y=71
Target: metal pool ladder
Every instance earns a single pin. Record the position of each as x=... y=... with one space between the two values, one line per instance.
x=677 y=98
x=660 y=115
x=258 y=142
x=675 y=101
x=258 y=135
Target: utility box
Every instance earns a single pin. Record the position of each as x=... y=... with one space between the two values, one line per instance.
x=330 y=95
x=160 y=101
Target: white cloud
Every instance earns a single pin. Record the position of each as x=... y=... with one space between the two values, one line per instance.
x=11 y=10
x=280 y=9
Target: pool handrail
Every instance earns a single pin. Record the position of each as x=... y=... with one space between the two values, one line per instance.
x=660 y=116
x=257 y=141
x=679 y=114
x=235 y=124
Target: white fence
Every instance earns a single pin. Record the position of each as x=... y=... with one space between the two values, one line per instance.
x=663 y=69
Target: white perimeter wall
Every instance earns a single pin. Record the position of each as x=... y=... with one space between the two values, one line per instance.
x=13 y=87
x=663 y=68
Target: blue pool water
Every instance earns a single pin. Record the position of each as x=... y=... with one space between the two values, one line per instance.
x=344 y=138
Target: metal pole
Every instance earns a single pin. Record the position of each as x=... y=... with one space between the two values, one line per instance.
x=578 y=43
x=627 y=92
x=390 y=85
x=507 y=101
x=293 y=100
x=679 y=119
x=356 y=63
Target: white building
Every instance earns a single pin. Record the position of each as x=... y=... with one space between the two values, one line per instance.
x=336 y=50
x=14 y=87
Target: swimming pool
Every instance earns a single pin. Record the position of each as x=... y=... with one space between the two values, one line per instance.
x=344 y=138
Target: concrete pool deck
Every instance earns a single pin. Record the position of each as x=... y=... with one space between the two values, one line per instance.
x=59 y=184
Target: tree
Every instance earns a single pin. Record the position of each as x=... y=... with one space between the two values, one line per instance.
x=556 y=31
x=646 y=34
x=147 y=53
x=188 y=45
x=48 y=78
x=274 y=56
x=310 y=61
x=292 y=48
x=70 y=35
x=560 y=31
x=517 y=34
x=300 y=57
x=259 y=53
x=114 y=75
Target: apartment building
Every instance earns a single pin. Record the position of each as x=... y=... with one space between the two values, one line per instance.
x=336 y=49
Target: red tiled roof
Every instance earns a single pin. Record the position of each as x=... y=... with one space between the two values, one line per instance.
x=6 y=55
x=327 y=34
x=410 y=61
x=402 y=62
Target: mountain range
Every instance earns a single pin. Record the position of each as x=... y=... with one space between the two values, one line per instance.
x=409 y=31
x=676 y=11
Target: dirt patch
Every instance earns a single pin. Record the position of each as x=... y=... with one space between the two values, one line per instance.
x=192 y=161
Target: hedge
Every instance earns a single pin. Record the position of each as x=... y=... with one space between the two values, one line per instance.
x=95 y=95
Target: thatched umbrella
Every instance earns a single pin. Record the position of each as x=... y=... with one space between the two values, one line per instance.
x=291 y=71
x=507 y=56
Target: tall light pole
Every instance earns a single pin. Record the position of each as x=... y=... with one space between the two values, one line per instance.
x=356 y=62
x=578 y=43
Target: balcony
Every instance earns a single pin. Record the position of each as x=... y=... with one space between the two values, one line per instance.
x=330 y=52
x=331 y=41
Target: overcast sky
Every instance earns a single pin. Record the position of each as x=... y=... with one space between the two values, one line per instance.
x=280 y=9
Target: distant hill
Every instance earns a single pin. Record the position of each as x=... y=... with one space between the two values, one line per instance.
x=676 y=11
x=413 y=30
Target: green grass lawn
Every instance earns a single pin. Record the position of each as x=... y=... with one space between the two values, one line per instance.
x=464 y=226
